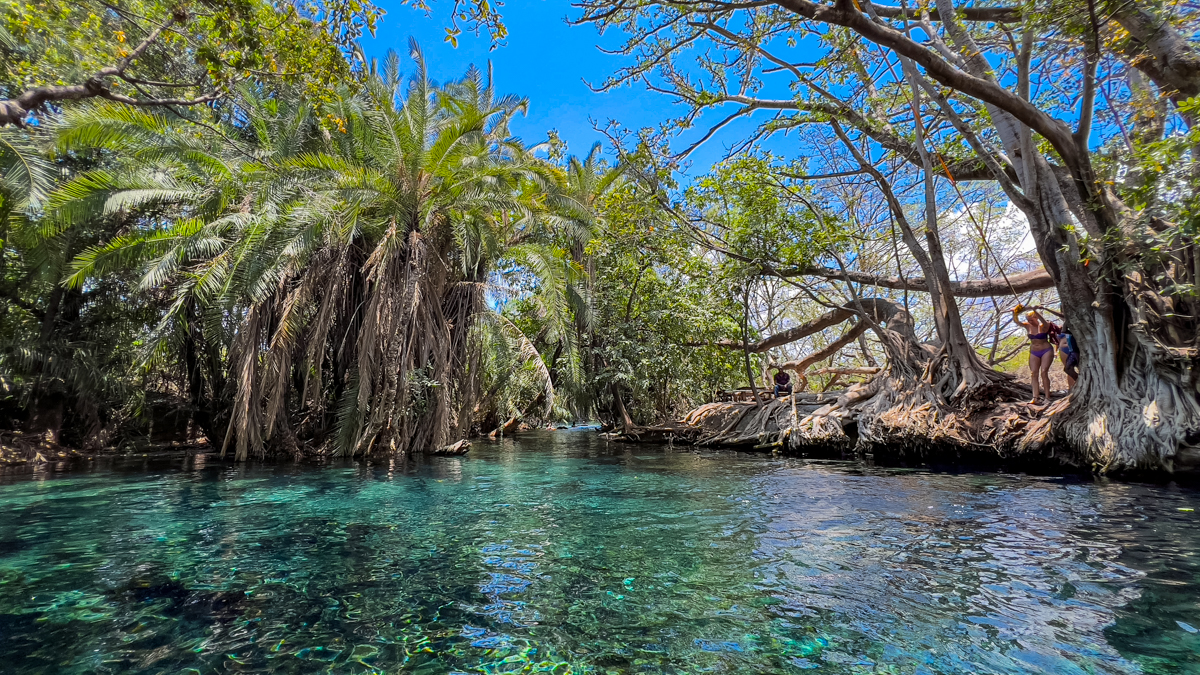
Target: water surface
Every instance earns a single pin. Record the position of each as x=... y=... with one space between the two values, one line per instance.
x=560 y=554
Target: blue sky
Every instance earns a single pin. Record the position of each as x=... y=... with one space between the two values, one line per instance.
x=545 y=60
x=550 y=63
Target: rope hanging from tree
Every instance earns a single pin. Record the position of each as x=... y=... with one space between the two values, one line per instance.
x=978 y=227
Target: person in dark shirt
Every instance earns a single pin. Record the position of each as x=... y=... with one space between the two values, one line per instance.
x=783 y=383
x=1069 y=353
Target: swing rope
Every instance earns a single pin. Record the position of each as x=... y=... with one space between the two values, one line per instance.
x=978 y=227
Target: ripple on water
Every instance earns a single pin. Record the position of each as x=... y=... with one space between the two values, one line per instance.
x=556 y=554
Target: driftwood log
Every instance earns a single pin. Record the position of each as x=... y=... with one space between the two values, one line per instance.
x=459 y=448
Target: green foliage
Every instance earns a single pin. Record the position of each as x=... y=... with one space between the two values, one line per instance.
x=202 y=47
x=67 y=355
x=515 y=377
x=335 y=277
x=309 y=263
x=333 y=256
x=660 y=304
x=1154 y=172
x=761 y=217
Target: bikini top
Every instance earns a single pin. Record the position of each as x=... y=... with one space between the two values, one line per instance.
x=1038 y=336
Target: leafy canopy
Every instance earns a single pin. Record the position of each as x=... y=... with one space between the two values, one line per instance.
x=189 y=49
x=747 y=202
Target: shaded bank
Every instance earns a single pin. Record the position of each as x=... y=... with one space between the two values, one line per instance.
x=928 y=401
x=875 y=419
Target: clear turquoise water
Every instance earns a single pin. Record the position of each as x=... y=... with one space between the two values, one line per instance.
x=559 y=554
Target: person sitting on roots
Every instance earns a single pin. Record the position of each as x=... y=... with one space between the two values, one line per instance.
x=1041 y=351
x=783 y=383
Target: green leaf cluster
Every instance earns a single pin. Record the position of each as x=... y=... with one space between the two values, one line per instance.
x=751 y=205
x=204 y=46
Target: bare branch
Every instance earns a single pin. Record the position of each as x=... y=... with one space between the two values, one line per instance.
x=820 y=176
x=979 y=288
x=843 y=14
x=969 y=13
x=153 y=102
x=801 y=365
x=831 y=318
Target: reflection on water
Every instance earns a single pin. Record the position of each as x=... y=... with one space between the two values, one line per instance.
x=559 y=554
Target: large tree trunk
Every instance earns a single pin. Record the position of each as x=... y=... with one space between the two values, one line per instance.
x=965 y=373
x=1154 y=46
x=1135 y=404
x=1144 y=415
x=619 y=407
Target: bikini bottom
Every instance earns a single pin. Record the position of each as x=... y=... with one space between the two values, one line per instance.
x=1042 y=353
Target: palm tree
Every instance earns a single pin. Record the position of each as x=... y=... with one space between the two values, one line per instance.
x=64 y=352
x=25 y=179
x=184 y=200
x=560 y=304
x=340 y=263
x=588 y=180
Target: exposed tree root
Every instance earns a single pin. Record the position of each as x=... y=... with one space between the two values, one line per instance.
x=877 y=417
x=924 y=403
x=1146 y=417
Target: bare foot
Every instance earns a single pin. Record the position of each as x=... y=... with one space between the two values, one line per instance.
x=1033 y=402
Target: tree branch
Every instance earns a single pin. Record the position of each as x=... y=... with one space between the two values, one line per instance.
x=979 y=288
x=897 y=209
x=801 y=365
x=831 y=318
x=963 y=169
x=1091 y=63
x=14 y=111
x=1000 y=173
x=1156 y=48
x=843 y=14
x=968 y=13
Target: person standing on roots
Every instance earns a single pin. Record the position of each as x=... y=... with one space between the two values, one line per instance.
x=1041 y=350
x=1068 y=352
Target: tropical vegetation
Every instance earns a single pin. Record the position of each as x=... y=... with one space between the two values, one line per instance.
x=222 y=223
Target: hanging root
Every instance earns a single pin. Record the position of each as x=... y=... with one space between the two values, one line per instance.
x=403 y=369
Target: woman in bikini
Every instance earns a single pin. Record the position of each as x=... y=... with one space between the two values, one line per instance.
x=1041 y=351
